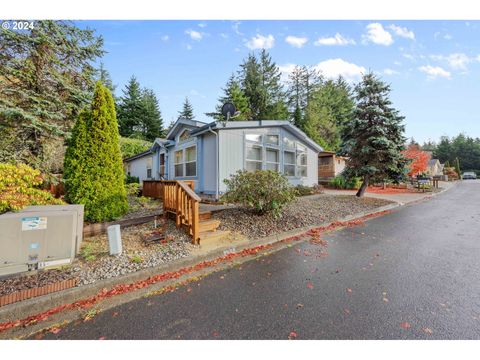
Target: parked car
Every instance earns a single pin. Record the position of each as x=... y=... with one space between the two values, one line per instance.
x=469 y=175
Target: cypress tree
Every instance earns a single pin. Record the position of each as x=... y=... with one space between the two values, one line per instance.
x=457 y=167
x=373 y=138
x=94 y=169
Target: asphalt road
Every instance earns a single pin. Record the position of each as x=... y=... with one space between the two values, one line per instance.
x=412 y=274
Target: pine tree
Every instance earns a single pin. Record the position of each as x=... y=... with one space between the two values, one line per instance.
x=302 y=83
x=93 y=164
x=373 y=139
x=151 y=122
x=234 y=94
x=46 y=78
x=329 y=107
x=260 y=81
x=130 y=108
x=187 y=110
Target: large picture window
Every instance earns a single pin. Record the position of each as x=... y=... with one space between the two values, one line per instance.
x=186 y=162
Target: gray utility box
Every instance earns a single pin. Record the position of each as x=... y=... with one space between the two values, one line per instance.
x=40 y=236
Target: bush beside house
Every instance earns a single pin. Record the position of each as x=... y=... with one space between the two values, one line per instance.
x=93 y=162
x=263 y=191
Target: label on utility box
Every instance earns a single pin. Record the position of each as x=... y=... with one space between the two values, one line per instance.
x=34 y=223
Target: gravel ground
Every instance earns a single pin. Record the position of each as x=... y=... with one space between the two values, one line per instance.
x=100 y=265
x=302 y=212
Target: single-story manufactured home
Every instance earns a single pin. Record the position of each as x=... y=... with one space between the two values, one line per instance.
x=209 y=153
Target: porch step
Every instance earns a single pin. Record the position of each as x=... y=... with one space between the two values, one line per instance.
x=204 y=215
x=208 y=225
x=212 y=237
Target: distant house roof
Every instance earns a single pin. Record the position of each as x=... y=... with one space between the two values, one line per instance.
x=432 y=162
x=138 y=156
x=258 y=124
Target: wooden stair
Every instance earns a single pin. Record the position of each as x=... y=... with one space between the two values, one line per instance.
x=180 y=200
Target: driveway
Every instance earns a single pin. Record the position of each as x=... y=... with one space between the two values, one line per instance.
x=411 y=274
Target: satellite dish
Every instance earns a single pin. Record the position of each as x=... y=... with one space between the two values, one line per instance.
x=228 y=110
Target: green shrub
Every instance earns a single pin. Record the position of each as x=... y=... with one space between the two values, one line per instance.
x=130 y=147
x=263 y=191
x=340 y=182
x=133 y=189
x=93 y=163
x=132 y=179
x=18 y=188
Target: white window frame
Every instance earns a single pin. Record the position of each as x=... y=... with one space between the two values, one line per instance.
x=270 y=148
x=292 y=151
x=149 y=165
x=298 y=154
x=247 y=160
x=184 y=163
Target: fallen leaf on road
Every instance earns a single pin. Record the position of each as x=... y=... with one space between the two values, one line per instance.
x=299 y=306
x=292 y=335
x=346 y=311
x=101 y=338
x=189 y=289
x=385 y=299
x=427 y=331
x=215 y=334
x=310 y=285
x=55 y=330
x=222 y=277
x=115 y=314
x=349 y=290
x=405 y=325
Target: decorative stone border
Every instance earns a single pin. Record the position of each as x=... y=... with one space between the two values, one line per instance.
x=38 y=291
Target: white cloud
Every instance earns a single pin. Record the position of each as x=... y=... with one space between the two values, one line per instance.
x=408 y=56
x=398 y=63
x=389 y=71
x=224 y=36
x=448 y=37
x=402 y=32
x=338 y=39
x=202 y=25
x=236 y=28
x=457 y=61
x=435 y=71
x=377 y=35
x=478 y=58
x=285 y=71
x=165 y=37
x=333 y=68
x=295 y=41
x=261 y=42
x=195 y=35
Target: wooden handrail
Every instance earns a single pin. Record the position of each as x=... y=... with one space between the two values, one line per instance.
x=180 y=199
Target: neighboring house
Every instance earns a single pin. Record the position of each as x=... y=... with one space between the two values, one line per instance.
x=434 y=168
x=329 y=165
x=209 y=153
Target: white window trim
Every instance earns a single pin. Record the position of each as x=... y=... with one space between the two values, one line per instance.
x=268 y=147
x=254 y=145
x=184 y=163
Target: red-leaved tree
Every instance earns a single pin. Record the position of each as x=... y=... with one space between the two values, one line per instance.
x=419 y=159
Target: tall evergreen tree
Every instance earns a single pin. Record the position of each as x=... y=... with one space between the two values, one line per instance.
x=234 y=94
x=329 y=107
x=302 y=83
x=151 y=123
x=93 y=163
x=187 y=110
x=46 y=78
x=106 y=79
x=457 y=167
x=260 y=81
x=373 y=139
x=130 y=108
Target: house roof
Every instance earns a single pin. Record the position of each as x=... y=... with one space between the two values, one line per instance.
x=139 y=155
x=173 y=131
x=432 y=162
x=257 y=124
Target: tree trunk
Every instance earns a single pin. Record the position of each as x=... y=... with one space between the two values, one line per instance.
x=361 y=191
